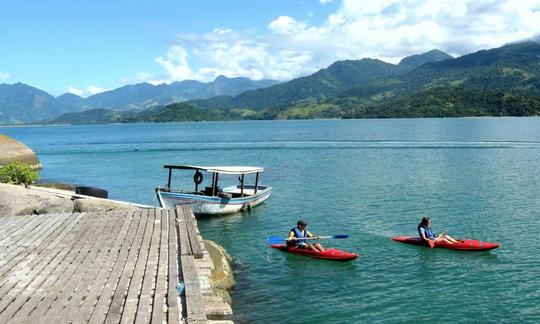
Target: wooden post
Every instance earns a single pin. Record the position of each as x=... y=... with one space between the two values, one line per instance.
x=213 y=182
x=242 y=186
x=169 y=182
x=215 y=187
x=196 y=184
x=256 y=183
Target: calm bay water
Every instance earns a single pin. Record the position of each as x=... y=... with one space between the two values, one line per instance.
x=371 y=179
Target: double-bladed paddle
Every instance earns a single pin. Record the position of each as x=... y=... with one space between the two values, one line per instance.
x=277 y=239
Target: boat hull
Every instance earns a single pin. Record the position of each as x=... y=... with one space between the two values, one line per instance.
x=463 y=245
x=329 y=254
x=206 y=205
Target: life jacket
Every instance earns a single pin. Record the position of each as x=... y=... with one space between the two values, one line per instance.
x=429 y=232
x=297 y=234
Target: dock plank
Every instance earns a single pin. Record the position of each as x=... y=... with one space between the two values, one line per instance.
x=72 y=242
x=16 y=282
x=114 y=314
x=183 y=235
x=20 y=232
x=99 y=284
x=83 y=247
x=132 y=298
x=26 y=276
x=194 y=303
x=192 y=232
x=144 y=309
x=26 y=294
x=45 y=276
x=10 y=223
x=173 y=310
x=68 y=304
x=106 y=296
x=159 y=304
x=11 y=254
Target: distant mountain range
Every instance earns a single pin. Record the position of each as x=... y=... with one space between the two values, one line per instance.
x=503 y=81
x=21 y=103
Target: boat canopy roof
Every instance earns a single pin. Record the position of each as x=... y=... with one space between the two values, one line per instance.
x=217 y=169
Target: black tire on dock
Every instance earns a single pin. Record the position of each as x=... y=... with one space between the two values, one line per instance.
x=91 y=191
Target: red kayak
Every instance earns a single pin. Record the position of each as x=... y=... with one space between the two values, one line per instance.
x=463 y=245
x=329 y=254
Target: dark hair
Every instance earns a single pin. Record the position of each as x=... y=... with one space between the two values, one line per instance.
x=301 y=222
x=425 y=221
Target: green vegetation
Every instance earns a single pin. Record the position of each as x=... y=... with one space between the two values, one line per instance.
x=176 y=112
x=17 y=173
x=436 y=102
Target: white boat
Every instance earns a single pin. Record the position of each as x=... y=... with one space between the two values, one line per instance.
x=212 y=199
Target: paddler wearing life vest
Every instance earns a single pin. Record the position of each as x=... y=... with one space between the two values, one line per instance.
x=426 y=234
x=299 y=234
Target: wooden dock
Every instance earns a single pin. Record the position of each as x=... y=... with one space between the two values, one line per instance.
x=147 y=266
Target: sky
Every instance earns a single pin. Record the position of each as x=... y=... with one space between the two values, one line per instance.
x=86 y=47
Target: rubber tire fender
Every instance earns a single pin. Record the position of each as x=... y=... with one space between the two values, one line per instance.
x=198 y=177
x=92 y=191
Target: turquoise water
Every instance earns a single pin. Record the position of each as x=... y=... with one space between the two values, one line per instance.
x=371 y=179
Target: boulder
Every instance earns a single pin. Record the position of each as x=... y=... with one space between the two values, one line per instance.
x=221 y=279
x=12 y=150
x=18 y=200
x=26 y=200
x=97 y=204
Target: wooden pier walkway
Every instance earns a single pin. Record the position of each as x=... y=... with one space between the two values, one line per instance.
x=144 y=266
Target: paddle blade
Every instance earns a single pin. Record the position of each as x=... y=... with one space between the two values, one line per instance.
x=340 y=236
x=275 y=240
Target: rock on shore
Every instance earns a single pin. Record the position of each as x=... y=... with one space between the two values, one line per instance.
x=18 y=200
x=12 y=150
x=222 y=279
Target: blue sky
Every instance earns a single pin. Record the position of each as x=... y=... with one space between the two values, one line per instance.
x=85 y=47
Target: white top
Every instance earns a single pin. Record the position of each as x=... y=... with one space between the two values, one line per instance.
x=219 y=169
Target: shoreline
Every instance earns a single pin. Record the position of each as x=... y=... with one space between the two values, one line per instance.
x=265 y=120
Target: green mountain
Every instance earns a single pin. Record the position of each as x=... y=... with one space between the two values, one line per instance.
x=144 y=95
x=414 y=61
x=511 y=68
x=176 y=112
x=447 y=101
x=505 y=77
x=92 y=116
x=21 y=103
x=325 y=83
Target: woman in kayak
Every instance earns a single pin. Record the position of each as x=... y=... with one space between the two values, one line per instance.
x=298 y=235
x=426 y=234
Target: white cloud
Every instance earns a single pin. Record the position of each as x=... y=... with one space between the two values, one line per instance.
x=286 y=25
x=176 y=63
x=385 y=29
x=4 y=76
x=90 y=90
x=75 y=91
x=222 y=31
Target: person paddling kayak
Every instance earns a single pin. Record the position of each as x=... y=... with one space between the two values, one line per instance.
x=426 y=234
x=297 y=236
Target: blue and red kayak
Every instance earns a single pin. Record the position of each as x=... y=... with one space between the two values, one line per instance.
x=329 y=254
x=463 y=245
